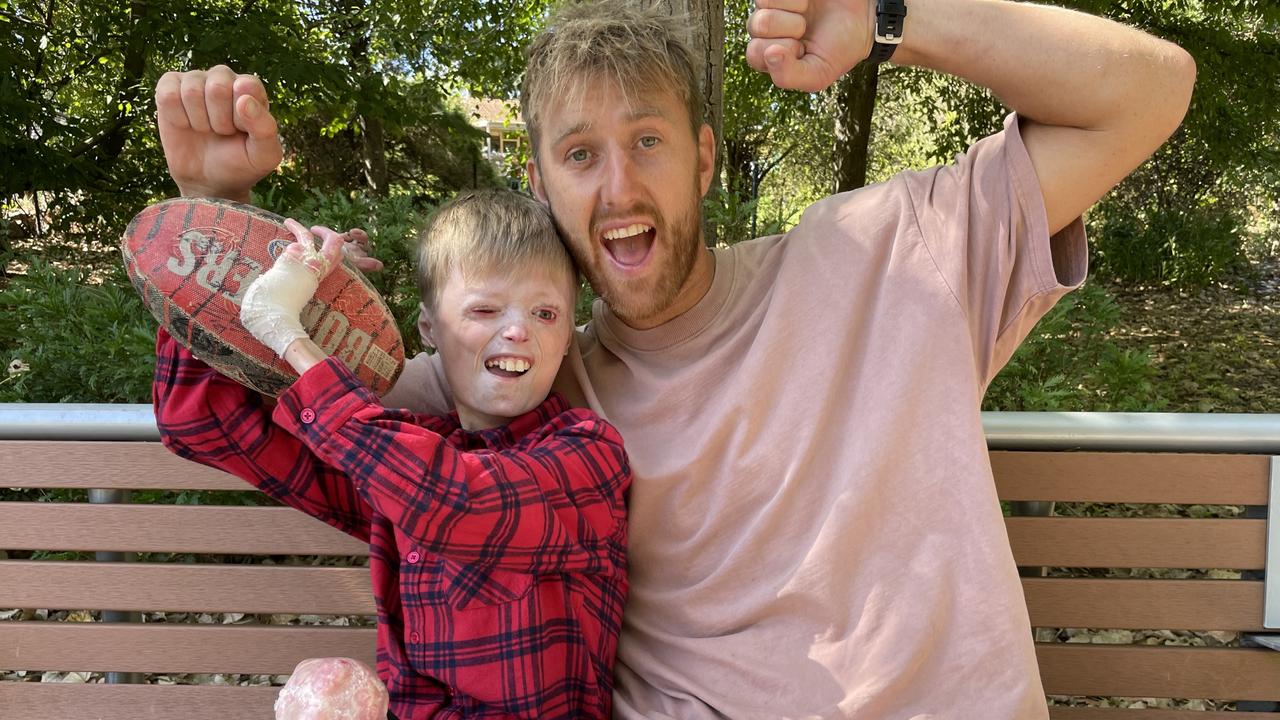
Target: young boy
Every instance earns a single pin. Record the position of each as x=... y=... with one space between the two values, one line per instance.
x=497 y=534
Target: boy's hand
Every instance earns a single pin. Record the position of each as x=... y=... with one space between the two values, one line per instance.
x=272 y=306
x=218 y=134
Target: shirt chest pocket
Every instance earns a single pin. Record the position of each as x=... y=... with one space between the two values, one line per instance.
x=466 y=586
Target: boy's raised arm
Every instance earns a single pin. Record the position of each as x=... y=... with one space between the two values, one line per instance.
x=206 y=417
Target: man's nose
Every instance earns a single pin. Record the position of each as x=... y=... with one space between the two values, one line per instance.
x=621 y=186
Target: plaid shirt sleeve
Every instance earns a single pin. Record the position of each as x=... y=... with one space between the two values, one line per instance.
x=552 y=506
x=211 y=419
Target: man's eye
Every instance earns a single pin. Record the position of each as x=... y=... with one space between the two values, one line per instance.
x=547 y=315
x=648 y=142
x=579 y=155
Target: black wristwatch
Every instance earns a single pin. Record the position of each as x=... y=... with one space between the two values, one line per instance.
x=891 y=15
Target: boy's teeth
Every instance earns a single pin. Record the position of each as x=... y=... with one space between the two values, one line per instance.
x=509 y=364
x=627 y=231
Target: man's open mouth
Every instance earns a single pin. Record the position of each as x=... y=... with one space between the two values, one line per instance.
x=629 y=246
x=507 y=367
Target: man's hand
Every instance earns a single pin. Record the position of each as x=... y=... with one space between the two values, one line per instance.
x=809 y=44
x=357 y=249
x=217 y=131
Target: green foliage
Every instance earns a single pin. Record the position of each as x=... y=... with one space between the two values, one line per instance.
x=1070 y=362
x=71 y=337
x=1186 y=247
x=768 y=130
x=736 y=218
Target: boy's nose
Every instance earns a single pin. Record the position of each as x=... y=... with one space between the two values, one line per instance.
x=516 y=332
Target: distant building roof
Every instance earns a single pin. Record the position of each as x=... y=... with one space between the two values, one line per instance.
x=489 y=113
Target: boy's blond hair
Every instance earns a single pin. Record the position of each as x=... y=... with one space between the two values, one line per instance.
x=635 y=44
x=487 y=230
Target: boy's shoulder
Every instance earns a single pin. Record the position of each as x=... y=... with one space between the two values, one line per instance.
x=554 y=418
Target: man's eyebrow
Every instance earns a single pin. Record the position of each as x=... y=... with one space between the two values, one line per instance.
x=638 y=113
x=579 y=128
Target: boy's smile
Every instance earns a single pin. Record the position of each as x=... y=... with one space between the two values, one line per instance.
x=501 y=337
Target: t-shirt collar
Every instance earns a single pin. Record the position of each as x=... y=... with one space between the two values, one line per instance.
x=613 y=332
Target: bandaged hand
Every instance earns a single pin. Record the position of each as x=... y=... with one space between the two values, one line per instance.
x=272 y=307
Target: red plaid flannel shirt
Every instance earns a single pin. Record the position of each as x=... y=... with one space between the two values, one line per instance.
x=498 y=557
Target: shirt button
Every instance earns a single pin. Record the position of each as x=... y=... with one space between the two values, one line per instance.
x=414 y=557
x=308 y=416
x=414 y=637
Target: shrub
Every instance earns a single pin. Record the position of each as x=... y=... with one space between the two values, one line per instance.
x=1069 y=362
x=1188 y=247
x=72 y=335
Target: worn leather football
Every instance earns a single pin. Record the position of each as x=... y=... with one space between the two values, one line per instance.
x=192 y=259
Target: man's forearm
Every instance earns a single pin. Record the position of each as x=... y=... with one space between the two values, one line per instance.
x=1049 y=64
x=240 y=196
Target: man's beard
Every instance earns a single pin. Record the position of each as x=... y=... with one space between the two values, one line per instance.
x=634 y=300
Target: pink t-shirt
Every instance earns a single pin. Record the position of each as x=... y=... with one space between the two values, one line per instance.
x=814 y=528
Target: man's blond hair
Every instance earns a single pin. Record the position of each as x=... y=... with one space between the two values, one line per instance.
x=487 y=230
x=637 y=45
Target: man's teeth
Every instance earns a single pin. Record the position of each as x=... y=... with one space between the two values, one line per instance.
x=508 y=364
x=628 y=231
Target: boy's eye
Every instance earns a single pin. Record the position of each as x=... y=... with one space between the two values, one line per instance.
x=544 y=314
x=648 y=142
x=483 y=310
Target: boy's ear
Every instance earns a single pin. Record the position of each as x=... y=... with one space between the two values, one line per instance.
x=424 y=326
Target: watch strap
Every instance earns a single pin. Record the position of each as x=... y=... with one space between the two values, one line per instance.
x=891 y=16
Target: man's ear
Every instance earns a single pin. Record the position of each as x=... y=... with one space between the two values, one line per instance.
x=535 y=180
x=706 y=156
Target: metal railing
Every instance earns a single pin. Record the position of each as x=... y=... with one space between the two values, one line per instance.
x=1149 y=432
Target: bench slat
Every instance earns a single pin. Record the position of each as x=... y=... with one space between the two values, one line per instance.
x=60 y=701
x=1176 y=478
x=1234 y=605
x=108 y=465
x=1138 y=542
x=1157 y=671
x=173 y=587
x=205 y=529
x=161 y=648
x=1091 y=713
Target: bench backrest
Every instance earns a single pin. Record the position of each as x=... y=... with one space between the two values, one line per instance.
x=220 y=581
x=1229 y=598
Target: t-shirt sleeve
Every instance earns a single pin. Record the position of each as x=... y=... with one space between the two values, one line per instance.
x=983 y=222
x=421 y=387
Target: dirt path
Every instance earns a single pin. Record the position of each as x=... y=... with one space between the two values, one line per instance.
x=1217 y=350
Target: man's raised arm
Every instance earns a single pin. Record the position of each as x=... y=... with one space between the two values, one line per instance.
x=1096 y=98
x=217 y=132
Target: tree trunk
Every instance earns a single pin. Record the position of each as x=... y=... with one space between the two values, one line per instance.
x=706 y=39
x=358 y=33
x=855 y=102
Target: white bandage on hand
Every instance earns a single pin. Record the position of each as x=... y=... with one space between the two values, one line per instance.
x=272 y=307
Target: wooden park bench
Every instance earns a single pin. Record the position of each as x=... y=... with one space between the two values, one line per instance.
x=111 y=451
